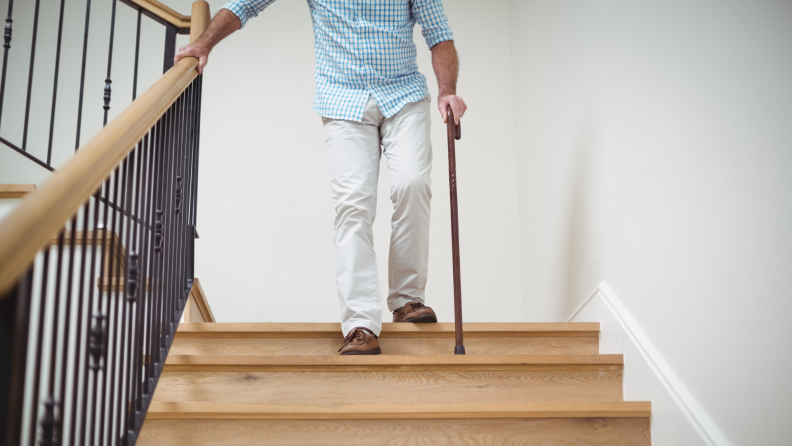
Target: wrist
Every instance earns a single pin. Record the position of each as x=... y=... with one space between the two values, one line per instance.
x=204 y=45
x=446 y=93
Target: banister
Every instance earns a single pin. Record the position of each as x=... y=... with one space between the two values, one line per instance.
x=43 y=212
x=163 y=13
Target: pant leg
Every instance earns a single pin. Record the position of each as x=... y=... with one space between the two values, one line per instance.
x=353 y=156
x=408 y=148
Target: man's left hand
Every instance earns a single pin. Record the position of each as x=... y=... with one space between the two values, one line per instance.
x=456 y=103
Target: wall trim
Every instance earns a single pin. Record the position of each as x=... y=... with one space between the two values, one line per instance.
x=687 y=405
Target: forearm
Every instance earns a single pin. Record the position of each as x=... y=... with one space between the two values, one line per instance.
x=223 y=24
x=446 y=67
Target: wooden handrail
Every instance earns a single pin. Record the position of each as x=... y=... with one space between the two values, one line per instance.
x=166 y=14
x=45 y=211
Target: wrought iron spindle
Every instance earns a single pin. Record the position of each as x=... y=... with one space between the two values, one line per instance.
x=82 y=73
x=6 y=46
x=108 y=80
x=137 y=53
x=55 y=82
x=30 y=74
x=34 y=417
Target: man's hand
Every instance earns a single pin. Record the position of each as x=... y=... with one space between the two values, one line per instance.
x=197 y=50
x=456 y=103
x=223 y=24
x=446 y=68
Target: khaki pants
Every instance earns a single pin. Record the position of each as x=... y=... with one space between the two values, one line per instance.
x=353 y=160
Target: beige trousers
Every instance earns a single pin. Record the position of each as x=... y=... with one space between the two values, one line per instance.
x=353 y=151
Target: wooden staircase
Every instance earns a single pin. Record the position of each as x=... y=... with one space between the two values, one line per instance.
x=272 y=383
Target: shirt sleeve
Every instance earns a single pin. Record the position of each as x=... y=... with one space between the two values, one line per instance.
x=434 y=23
x=246 y=9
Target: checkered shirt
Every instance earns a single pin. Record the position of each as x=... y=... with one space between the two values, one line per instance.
x=365 y=47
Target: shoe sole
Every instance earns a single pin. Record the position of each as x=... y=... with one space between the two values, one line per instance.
x=374 y=351
x=425 y=319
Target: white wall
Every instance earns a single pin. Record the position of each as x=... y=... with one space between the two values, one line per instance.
x=265 y=212
x=654 y=151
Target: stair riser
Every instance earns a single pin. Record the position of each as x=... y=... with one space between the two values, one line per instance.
x=532 y=431
x=390 y=387
x=390 y=346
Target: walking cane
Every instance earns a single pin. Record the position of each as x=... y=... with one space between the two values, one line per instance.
x=455 y=132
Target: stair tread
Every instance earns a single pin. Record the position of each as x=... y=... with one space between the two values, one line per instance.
x=442 y=329
x=172 y=410
x=394 y=362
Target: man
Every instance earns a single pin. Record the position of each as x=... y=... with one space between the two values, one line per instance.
x=370 y=94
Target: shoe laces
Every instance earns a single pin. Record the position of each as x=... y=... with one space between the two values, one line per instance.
x=353 y=334
x=416 y=306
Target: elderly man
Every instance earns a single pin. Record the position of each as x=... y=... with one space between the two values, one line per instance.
x=373 y=101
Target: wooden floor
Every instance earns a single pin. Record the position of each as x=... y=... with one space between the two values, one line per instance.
x=284 y=384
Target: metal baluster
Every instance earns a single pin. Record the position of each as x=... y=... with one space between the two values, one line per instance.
x=6 y=46
x=149 y=265
x=36 y=381
x=49 y=421
x=137 y=53
x=15 y=310
x=108 y=81
x=55 y=83
x=61 y=400
x=112 y=304
x=99 y=327
x=82 y=74
x=197 y=147
x=170 y=47
x=80 y=316
x=30 y=75
x=134 y=290
x=121 y=303
x=92 y=320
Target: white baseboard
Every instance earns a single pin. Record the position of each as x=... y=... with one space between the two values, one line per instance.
x=676 y=417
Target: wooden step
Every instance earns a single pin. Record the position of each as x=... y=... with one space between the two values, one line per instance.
x=262 y=411
x=393 y=363
x=611 y=424
x=15 y=190
x=395 y=339
x=329 y=388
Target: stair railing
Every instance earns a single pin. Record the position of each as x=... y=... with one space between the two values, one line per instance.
x=96 y=266
x=455 y=133
x=21 y=115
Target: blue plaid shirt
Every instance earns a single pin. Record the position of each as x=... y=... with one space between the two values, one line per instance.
x=365 y=47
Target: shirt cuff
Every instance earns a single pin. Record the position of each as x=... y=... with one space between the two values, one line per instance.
x=433 y=40
x=239 y=11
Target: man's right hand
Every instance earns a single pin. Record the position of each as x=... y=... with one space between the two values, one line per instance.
x=221 y=26
x=197 y=50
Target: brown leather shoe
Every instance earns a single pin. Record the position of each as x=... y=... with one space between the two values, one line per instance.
x=415 y=312
x=360 y=341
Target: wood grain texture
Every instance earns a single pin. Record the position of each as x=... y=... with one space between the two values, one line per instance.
x=15 y=190
x=403 y=363
x=200 y=19
x=165 y=13
x=199 y=305
x=331 y=388
x=390 y=346
x=191 y=314
x=441 y=330
x=451 y=432
x=404 y=411
x=44 y=211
